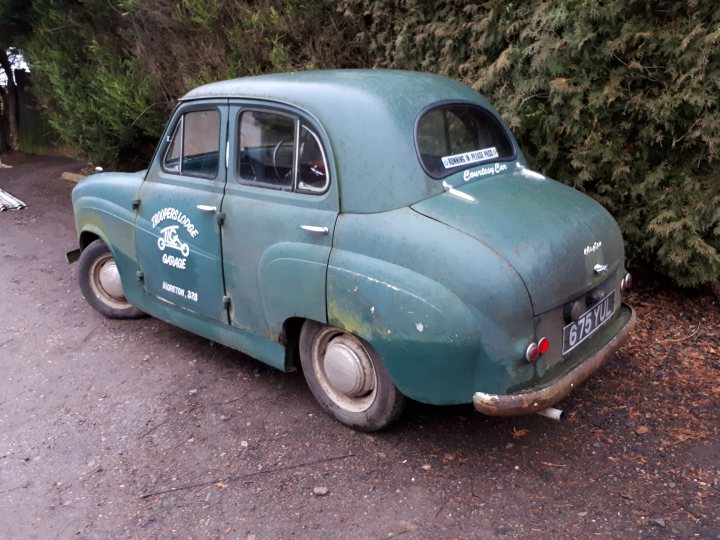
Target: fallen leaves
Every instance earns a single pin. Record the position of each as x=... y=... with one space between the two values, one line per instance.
x=684 y=434
x=673 y=384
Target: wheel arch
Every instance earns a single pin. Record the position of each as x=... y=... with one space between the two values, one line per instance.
x=87 y=238
x=290 y=338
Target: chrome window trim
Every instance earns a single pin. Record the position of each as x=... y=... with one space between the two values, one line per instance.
x=307 y=189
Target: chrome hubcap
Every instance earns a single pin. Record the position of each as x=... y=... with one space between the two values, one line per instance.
x=106 y=284
x=346 y=370
x=109 y=279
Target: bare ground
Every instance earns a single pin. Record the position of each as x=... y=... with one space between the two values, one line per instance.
x=117 y=429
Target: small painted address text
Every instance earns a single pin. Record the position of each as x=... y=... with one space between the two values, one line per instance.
x=179 y=291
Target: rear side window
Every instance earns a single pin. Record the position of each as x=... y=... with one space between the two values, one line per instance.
x=194 y=147
x=312 y=167
x=278 y=150
x=456 y=136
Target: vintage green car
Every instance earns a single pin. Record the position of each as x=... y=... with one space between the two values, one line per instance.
x=378 y=229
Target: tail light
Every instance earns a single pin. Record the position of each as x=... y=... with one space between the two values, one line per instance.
x=626 y=284
x=535 y=350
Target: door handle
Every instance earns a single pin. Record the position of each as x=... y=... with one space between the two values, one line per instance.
x=315 y=229
x=206 y=208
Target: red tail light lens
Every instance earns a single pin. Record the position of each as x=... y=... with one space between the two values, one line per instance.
x=534 y=350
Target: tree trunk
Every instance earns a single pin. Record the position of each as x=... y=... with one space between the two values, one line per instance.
x=10 y=103
x=2 y=123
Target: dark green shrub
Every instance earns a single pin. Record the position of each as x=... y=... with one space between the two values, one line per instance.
x=619 y=99
x=95 y=95
x=108 y=72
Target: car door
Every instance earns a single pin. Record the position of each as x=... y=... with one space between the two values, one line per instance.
x=280 y=209
x=178 y=230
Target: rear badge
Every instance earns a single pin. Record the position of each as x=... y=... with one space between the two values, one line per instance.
x=600 y=268
x=593 y=248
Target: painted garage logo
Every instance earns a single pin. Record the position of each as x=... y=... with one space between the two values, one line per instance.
x=169 y=239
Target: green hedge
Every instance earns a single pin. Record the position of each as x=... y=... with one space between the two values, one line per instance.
x=618 y=98
x=109 y=72
x=96 y=97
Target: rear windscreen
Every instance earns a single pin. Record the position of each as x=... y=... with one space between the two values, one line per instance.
x=456 y=136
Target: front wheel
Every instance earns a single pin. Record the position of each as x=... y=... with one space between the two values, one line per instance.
x=348 y=378
x=101 y=285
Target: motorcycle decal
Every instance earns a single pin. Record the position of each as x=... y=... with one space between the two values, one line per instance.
x=170 y=239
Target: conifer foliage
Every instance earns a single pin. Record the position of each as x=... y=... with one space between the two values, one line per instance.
x=619 y=99
x=109 y=72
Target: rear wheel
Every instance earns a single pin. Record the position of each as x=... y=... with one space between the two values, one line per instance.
x=101 y=285
x=348 y=378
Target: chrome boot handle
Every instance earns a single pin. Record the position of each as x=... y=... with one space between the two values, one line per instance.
x=315 y=229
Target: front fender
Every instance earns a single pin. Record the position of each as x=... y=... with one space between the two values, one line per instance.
x=102 y=205
x=118 y=235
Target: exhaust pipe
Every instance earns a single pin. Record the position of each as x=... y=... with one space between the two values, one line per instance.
x=552 y=413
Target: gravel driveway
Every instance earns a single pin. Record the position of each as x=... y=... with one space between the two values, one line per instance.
x=137 y=429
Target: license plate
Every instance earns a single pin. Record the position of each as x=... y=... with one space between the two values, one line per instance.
x=586 y=325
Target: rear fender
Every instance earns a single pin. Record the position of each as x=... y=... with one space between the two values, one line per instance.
x=425 y=334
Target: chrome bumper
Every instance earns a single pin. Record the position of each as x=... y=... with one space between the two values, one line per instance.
x=536 y=400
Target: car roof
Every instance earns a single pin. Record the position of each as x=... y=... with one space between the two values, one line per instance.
x=368 y=117
x=310 y=88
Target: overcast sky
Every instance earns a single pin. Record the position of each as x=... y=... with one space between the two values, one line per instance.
x=18 y=63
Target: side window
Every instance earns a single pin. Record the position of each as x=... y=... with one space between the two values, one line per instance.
x=267 y=149
x=278 y=151
x=194 y=149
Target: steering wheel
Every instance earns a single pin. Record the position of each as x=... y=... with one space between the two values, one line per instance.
x=246 y=160
x=274 y=161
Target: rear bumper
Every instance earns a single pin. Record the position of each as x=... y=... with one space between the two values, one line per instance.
x=526 y=402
